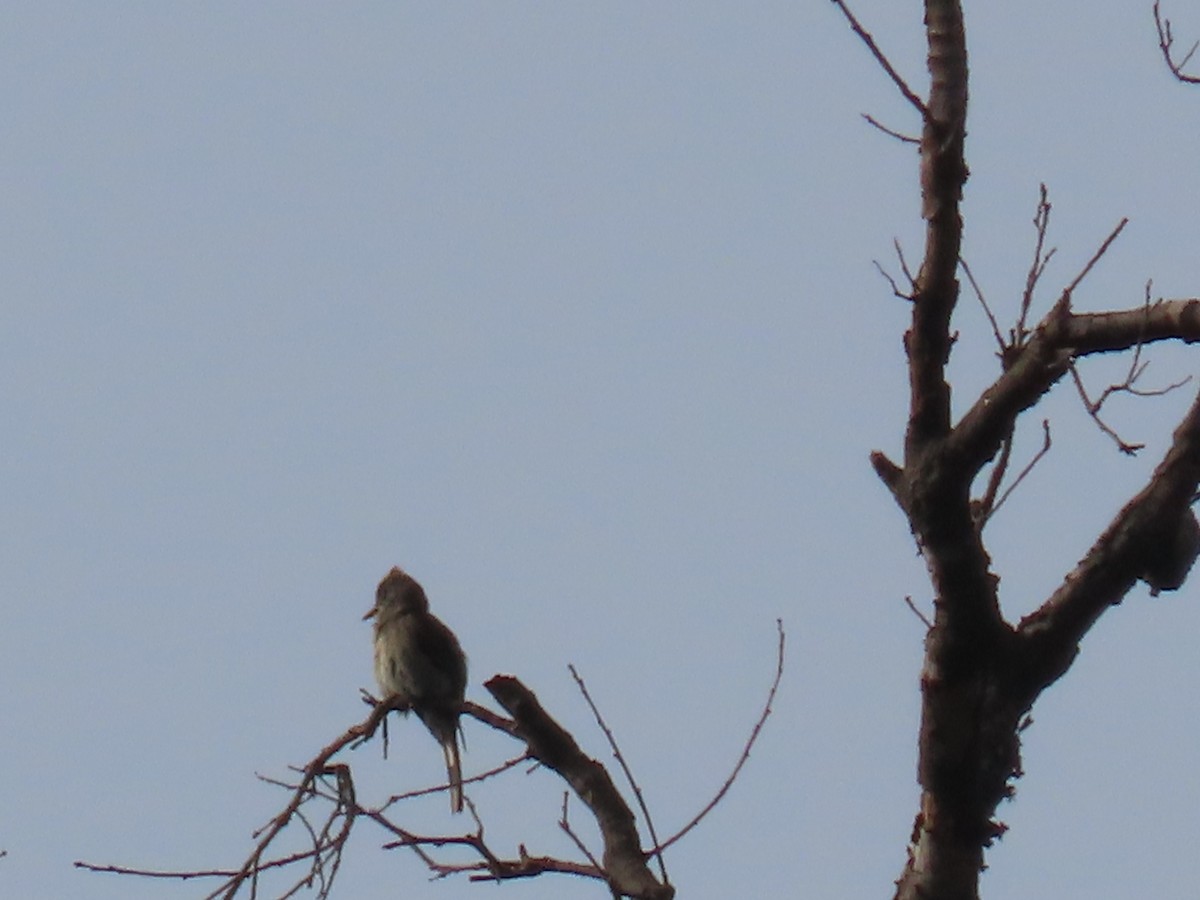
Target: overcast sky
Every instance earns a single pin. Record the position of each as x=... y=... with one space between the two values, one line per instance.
x=570 y=310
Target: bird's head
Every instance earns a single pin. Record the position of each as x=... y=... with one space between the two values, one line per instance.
x=398 y=594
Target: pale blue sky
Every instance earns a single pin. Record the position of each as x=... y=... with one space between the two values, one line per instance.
x=569 y=309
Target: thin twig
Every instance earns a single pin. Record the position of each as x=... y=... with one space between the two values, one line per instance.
x=1070 y=289
x=912 y=284
x=891 y=281
x=883 y=61
x=1025 y=471
x=916 y=612
x=1137 y=368
x=983 y=302
x=1093 y=410
x=620 y=757
x=983 y=508
x=565 y=824
x=1093 y=407
x=154 y=873
x=1041 y=222
x=904 y=263
x=1166 y=40
x=482 y=776
x=904 y=138
x=754 y=732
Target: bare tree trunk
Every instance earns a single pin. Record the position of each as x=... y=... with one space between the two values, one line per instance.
x=980 y=673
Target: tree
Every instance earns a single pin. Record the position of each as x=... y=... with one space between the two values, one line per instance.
x=982 y=673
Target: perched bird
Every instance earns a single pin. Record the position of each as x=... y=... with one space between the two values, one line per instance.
x=419 y=660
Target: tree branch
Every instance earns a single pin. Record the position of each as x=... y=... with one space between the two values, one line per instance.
x=1061 y=337
x=1037 y=267
x=883 y=61
x=628 y=772
x=987 y=509
x=1166 y=42
x=742 y=760
x=943 y=173
x=980 y=674
x=1130 y=548
x=1087 y=333
x=624 y=862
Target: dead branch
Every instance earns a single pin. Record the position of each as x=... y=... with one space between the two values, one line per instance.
x=1119 y=557
x=912 y=279
x=1037 y=267
x=1061 y=338
x=1125 y=329
x=1166 y=42
x=916 y=612
x=943 y=172
x=564 y=823
x=312 y=774
x=327 y=845
x=754 y=732
x=983 y=302
x=912 y=283
x=620 y=757
x=891 y=281
x=982 y=508
x=327 y=841
x=890 y=132
x=624 y=863
x=1136 y=369
x=498 y=769
x=1069 y=290
x=1093 y=410
x=1093 y=407
x=890 y=474
x=622 y=866
x=490 y=867
x=880 y=58
x=1037 y=457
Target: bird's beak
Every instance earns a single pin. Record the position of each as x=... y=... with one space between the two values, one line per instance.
x=371 y=612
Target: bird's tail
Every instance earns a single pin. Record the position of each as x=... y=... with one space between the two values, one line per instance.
x=453 y=772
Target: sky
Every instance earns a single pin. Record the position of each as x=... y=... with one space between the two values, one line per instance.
x=571 y=310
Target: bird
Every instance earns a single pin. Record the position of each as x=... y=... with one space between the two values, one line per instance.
x=419 y=660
